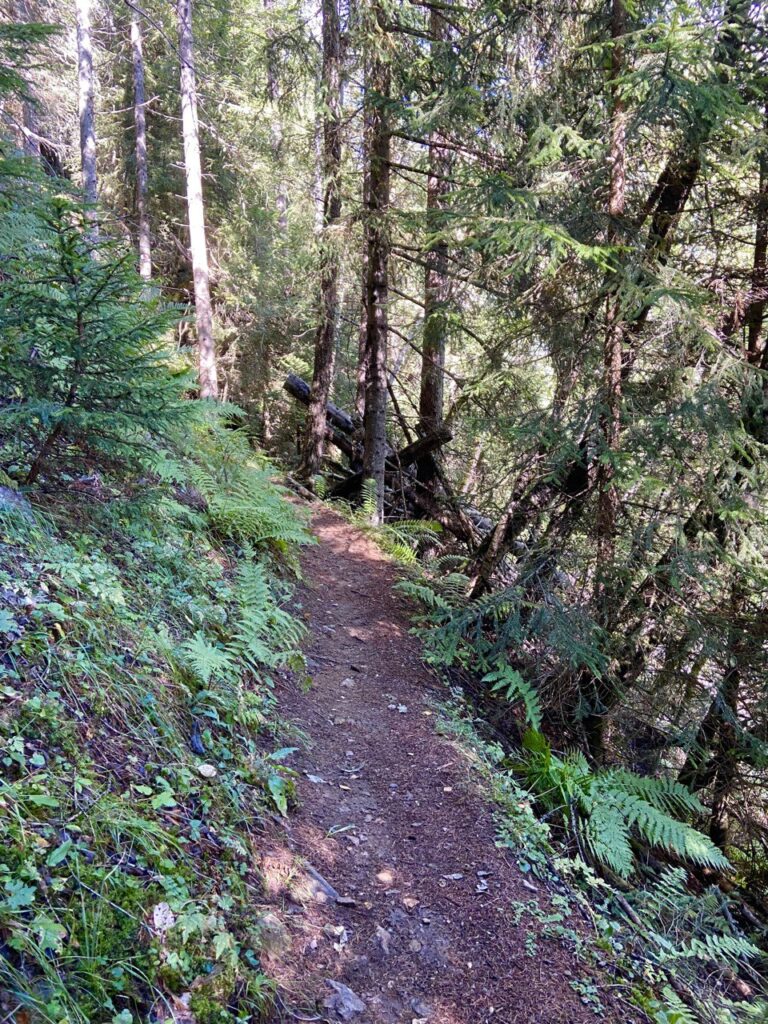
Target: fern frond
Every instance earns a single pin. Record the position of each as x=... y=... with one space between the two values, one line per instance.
x=508 y=682
x=204 y=659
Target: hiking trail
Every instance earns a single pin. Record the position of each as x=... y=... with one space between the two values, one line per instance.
x=391 y=821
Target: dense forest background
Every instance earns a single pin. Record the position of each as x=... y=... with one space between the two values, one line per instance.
x=522 y=250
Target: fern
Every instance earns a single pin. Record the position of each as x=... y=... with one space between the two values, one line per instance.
x=688 y=926
x=508 y=682
x=399 y=539
x=205 y=660
x=608 y=807
x=673 y=1010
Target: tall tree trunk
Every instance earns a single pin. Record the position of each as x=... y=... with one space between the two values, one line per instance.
x=142 y=175
x=85 y=105
x=436 y=280
x=613 y=353
x=207 y=373
x=610 y=419
x=377 y=286
x=329 y=254
x=275 y=125
x=362 y=344
x=755 y=317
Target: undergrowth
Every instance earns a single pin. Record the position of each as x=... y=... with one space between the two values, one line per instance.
x=673 y=950
x=595 y=833
x=141 y=621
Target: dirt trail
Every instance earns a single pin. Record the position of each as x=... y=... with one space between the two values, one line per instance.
x=390 y=817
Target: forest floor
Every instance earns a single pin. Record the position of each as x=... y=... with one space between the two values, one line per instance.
x=388 y=880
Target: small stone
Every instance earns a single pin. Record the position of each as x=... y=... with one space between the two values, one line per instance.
x=344 y=1002
x=208 y=771
x=384 y=938
x=346 y=901
x=274 y=937
x=163 y=918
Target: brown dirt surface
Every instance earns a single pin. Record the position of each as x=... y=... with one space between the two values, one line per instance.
x=391 y=820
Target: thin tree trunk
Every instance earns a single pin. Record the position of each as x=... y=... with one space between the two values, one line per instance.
x=85 y=104
x=21 y=13
x=325 y=341
x=362 y=344
x=610 y=419
x=473 y=471
x=375 y=423
x=275 y=126
x=207 y=372
x=142 y=176
x=755 y=317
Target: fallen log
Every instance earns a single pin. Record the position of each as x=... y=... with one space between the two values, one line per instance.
x=397 y=461
x=300 y=390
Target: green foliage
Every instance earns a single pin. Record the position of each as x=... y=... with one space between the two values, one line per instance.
x=17 y=50
x=85 y=375
x=136 y=724
x=400 y=538
x=511 y=685
x=605 y=808
x=243 y=502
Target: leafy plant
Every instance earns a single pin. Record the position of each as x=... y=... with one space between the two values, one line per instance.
x=604 y=809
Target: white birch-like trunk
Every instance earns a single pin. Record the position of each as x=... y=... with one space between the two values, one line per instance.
x=142 y=173
x=86 y=108
x=207 y=373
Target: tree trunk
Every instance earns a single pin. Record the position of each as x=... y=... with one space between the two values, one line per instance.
x=362 y=342
x=755 y=317
x=436 y=280
x=325 y=341
x=275 y=124
x=142 y=176
x=377 y=283
x=85 y=104
x=207 y=373
x=22 y=14
x=610 y=419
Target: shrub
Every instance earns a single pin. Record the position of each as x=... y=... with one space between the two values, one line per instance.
x=84 y=374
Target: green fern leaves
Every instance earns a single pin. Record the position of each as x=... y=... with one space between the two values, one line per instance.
x=204 y=659
x=508 y=682
x=606 y=810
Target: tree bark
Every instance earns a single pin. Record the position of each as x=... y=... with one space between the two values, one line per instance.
x=85 y=105
x=206 y=352
x=275 y=124
x=436 y=280
x=377 y=282
x=755 y=317
x=142 y=173
x=325 y=342
x=362 y=341
x=610 y=418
